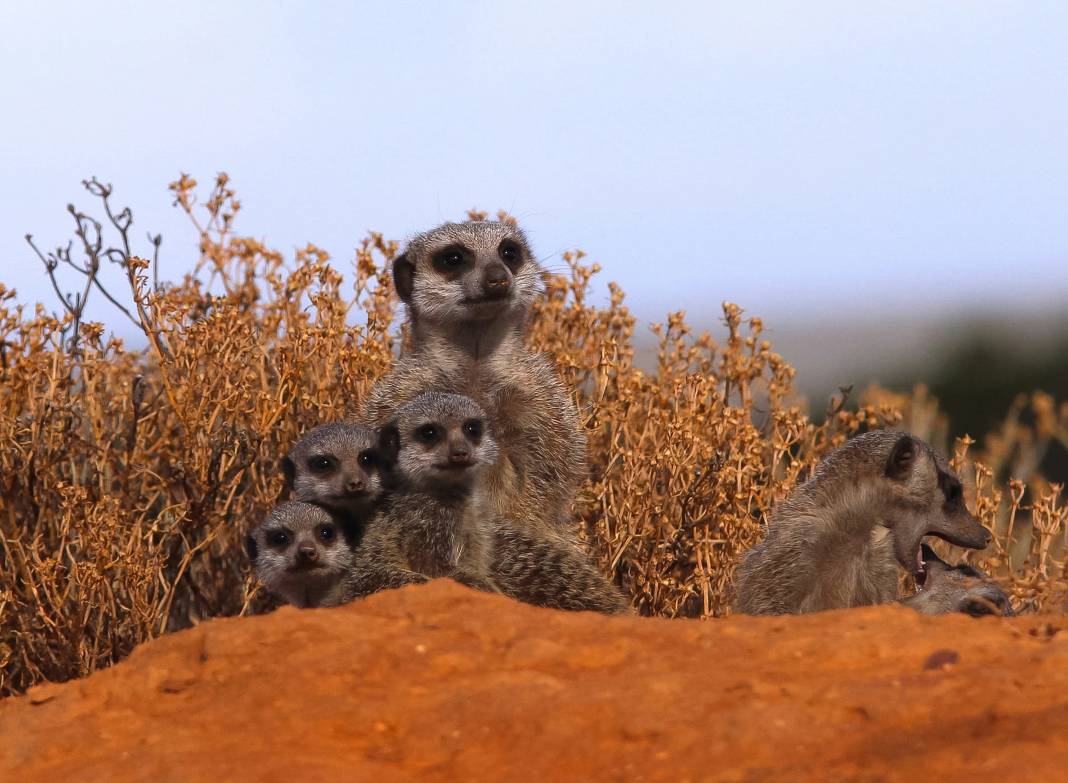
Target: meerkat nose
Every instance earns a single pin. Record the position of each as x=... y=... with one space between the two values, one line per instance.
x=307 y=553
x=354 y=485
x=496 y=280
x=459 y=455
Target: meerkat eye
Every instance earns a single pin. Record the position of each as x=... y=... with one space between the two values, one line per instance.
x=449 y=259
x=327 y=533
x=473 y=429
x=428 y=434
x=366 y=459
x=277 y=538
x=509 y=253
x=320 y=463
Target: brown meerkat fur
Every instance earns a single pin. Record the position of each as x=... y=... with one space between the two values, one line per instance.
x=468 y=289
x=942 y=589
x=838 y=539
x=550 y=570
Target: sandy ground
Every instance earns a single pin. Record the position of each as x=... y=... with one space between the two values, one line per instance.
x=440 y=683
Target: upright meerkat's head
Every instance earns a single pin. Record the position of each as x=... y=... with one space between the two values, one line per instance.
x=337 y=466
x=300 y=554
x=942 y=588
x=473 y=271
x=439 y=442
x=912 y=489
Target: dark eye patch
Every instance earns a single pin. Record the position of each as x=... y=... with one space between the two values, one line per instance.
x=473 y=429
x=277 y=538
x=428 y=434
x=321 y=463
x=327 y=533
x=951 y=489
x=451 y=258
x=367 y=459
x=510 y=253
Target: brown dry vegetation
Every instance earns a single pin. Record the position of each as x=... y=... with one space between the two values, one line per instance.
x=128 y=477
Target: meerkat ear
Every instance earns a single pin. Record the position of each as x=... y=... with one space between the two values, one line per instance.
x=403 y=277
x=901 y=458
x=251 y=548
x=389 y=443
x=289 y=470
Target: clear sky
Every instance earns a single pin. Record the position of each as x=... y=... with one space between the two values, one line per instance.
x=816 y=160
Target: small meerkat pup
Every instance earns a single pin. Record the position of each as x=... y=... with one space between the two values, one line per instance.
x=838 y=539
x=300 y=554
x=468 y=288
x=437 y=522
x=338 y=467
x=942 y=589
x=440 y=521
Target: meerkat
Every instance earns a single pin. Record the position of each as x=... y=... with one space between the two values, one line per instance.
x=468 y=289
x=438 y=520
x=838 y=539
x=942 y=588
x=337 y=466
x=300 y=553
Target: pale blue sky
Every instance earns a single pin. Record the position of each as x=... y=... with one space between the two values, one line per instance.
x=816 y=160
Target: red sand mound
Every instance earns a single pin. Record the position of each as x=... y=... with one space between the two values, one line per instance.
x=442 y=683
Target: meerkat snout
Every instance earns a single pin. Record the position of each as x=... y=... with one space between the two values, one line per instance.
x=496 y=282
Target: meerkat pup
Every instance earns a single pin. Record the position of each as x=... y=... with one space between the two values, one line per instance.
x=300 y=554
x=942 y=588
x=838 y=539
x=438 y=520
x=468 y=289
x=337 y=466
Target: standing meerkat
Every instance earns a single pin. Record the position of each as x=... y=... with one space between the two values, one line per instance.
x=468 y=289
x=942 y=589
x=838 y=539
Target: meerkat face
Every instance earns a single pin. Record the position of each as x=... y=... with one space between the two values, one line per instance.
x=925 y=498
x=337 y=466
x=300 y=554
x=942 y=588
x=473 y=271
x=441 y=442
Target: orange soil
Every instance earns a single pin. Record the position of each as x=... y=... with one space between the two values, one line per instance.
x=441 y=683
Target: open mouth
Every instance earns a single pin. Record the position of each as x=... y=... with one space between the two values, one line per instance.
x=919 y=568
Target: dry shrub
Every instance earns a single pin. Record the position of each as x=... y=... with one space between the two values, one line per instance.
x=129 y=476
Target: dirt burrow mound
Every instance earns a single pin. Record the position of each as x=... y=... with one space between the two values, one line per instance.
x=442 y=683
